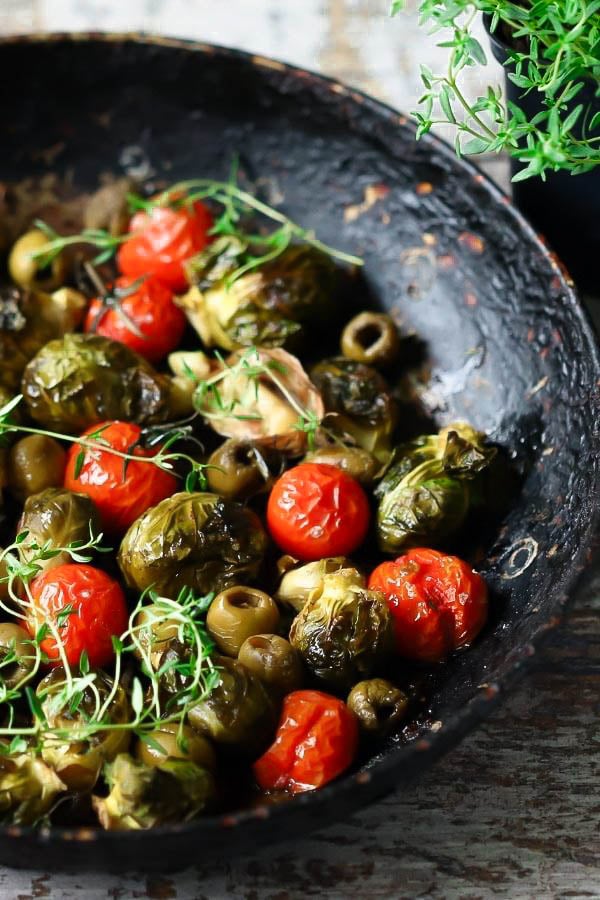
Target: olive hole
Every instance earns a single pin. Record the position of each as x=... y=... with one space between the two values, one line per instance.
x=385 y=712
x=244 y=600
x=243 y=455
x=368 y=336
x=260 y=642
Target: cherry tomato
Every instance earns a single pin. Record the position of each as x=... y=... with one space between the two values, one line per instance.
x=315 y=742
x=316 y=510
x=86 y=606
x=438 y=603
x=150 y=309
x=162 y=240
x=121 y=493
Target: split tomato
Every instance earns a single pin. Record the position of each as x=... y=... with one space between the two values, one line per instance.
x=438 y=603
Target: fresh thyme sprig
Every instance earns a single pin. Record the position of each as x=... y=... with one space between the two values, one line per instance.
x=236 y=203
x=164 y=458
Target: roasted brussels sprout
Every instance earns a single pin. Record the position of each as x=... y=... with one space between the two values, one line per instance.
x=83 y=379
x=143 y=796
x=28 y=788
x=240 y=469
x=237 y=613
x=59 y=516
x=17 y=654
x=425 y=495
x=272 y=306
x=35 y=462
x=259 y=398
x=378 y=705
x=238 y=713
x=371 y=338
x=170 y=741
x=355 y=461
x=272 y=659
x=78 y=763
x=344 y=632
x=300 y=583
x=361 y=400
x=26 y=271
x=28 y=320
x=193 y=540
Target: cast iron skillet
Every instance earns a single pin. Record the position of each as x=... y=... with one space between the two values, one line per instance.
x=509 y=346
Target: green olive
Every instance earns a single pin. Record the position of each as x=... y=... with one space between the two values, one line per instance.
x=176 y=744
x=15 y=645
x=241 y=469
x=371 y=338
x=272 y=659
x=35 y=463
x=237 y=613
x=378 y=705
x=26 y=271
x=355 y=461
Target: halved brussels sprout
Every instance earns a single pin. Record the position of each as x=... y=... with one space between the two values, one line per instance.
x=79 y=762
x=143 y=796
x=272 y=306
x=28 y=788
x=193 y=540
x=28 y=320
x=345 y=632
x=239 y=713
x=59 y=516
x=426 y=493
x=83 y=379
x=361 y=400
x=302 y=582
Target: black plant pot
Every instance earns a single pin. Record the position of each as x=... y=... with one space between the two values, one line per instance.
x=565 y=209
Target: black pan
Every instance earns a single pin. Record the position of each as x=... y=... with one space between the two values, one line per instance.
x=508 y=344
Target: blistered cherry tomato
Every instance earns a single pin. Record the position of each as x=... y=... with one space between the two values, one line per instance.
x=150 y=308
x=438 y=603
x=162 y=240
x=86 y=606
x=316 y=510
x=316 y=741
x=121 y=490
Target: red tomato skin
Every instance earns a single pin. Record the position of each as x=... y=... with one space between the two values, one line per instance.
x=316 y=510
x=151 y=309
x=119 y=500
x=438 y=603
x=100 y=611
x=162 y=240
x=315 y=742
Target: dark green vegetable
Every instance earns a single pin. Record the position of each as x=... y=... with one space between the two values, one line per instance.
x=143 y=796
x=192 y=540
x=378 y=705
x=28 y=320
x=240 y=469
x=273 y=659
x=355 y=461
x=371 y=338
x=271 y=306
x=345 y=632
x=61 y=517
x=35 y=462
x=17 y=654
x=83 y=379
x=425 y=495
x=28 y=789
x=361 y=400
x=237 y=613
x=239 y=712
x=78 y=763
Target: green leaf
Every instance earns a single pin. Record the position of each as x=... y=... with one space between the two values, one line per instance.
x=396 y=7
x=34 y=705
x=445 y=98
x=79 y=462
x=84 y=663
x=475 y=145
x=137 y=697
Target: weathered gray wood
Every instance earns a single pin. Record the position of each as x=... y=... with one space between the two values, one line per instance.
x=513 y=812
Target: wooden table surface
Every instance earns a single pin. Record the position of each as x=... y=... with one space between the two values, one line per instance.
x=512 y=812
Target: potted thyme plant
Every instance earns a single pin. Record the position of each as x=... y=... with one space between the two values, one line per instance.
x=547 y=118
